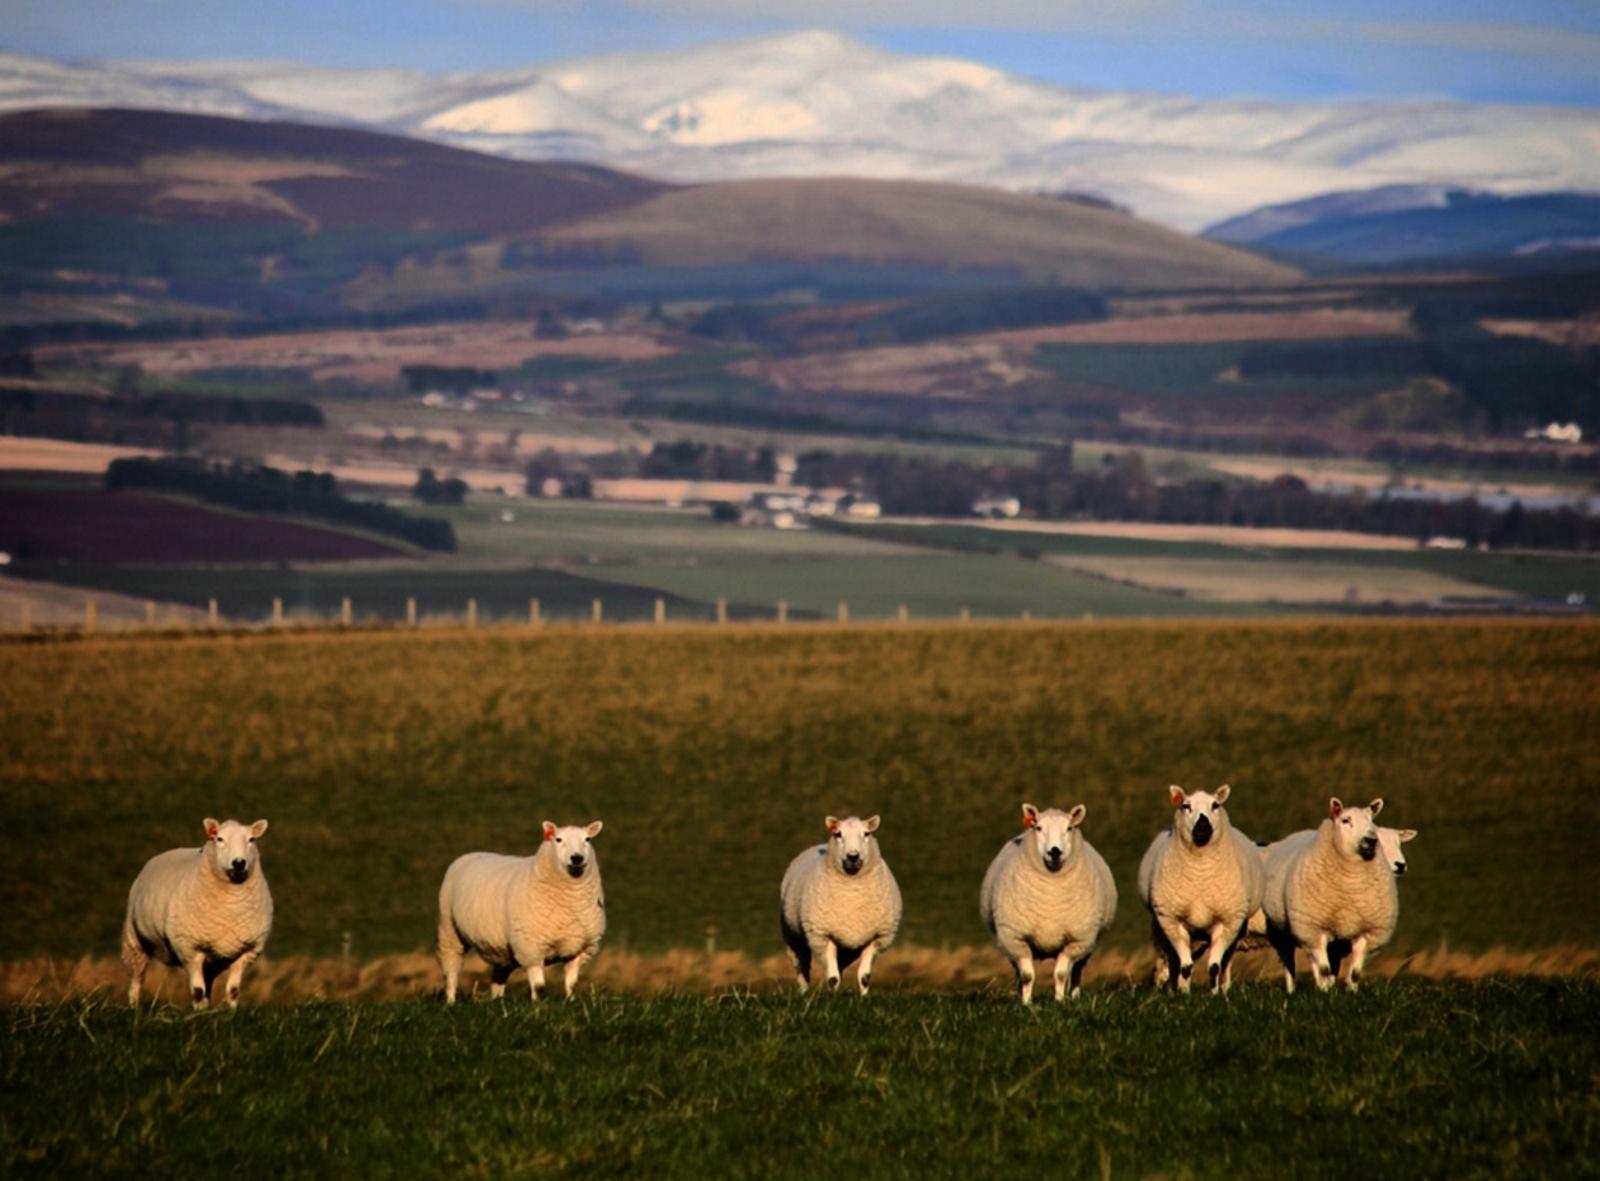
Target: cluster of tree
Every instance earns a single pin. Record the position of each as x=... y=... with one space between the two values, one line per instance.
x=257 y=488
x=1122 y=489
x=685 y=460
x=1565 y=460
x=550 y=473
x=430 y=489
x=127 y=416
x=784 y=328
x=458 y=379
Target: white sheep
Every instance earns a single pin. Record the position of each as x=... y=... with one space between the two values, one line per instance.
x=1048 y=895
x=839 y=902
x=1200 y=877
x=1389 y=842
x=205 y=910
x=1332 y=895
x=524 y=912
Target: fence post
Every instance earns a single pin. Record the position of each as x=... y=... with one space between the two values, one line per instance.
x=596 y=612
x=149 y=612
x=661 y=611
x=844 y=611
x=722 y=610
x=533 y=612
x=472 y=614
x=344 y=611
x=783 y=610
x=411 y=611
x=90 y=612
x=1027 y=614
x=27 y=615
x=211 y=613
x=905 y=613
x=277 y=611
x=966 y=615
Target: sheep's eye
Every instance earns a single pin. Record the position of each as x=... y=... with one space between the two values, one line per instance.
x=1214 y=807
x=558 y=840
x=1184 y=805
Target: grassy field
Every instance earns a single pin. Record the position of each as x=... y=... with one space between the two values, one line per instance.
x=713 y=755
x=1493 y=1079
x=930 y=587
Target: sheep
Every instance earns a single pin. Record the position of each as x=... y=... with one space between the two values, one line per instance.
x=839 y=901
x=1332 y=895
x=1048 y=894
x=524 y=912
x=1389 y=842
x=1200 y=875
x=205 y=910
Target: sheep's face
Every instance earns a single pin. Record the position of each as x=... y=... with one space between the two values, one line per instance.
x=231 y=846
x=1355 y=831
x=1200 y=817
x=1052 y=834
x=1389 y=842
x=851 y=845
x=570 y=846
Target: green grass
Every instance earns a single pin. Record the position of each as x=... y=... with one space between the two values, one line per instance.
x=713 y=755
x=1183 y=369
x=931 y=587
x=1403 y=1080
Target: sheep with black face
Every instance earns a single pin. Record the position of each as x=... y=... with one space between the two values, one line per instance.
x=206 y=910
x=1332 y=895
x=1048 y=894
x=524 y=912
x=838 y=903
x=1200 y=877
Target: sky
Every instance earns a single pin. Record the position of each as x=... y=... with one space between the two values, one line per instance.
x=1540 y=51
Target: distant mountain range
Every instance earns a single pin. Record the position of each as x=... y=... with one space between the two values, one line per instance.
x=1413 y=224
x=819 y=104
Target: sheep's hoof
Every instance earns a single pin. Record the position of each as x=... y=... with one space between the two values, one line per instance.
x=866 y=983
x=1214 y=971
x=1186 y=971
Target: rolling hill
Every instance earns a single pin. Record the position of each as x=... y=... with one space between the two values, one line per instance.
x=815 y=103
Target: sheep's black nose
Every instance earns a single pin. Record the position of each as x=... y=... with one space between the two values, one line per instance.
x=1399 y=870
x=1368 y=849
x=238 y=865
x=576 y=859
x=852 y=862
x=1202 y=831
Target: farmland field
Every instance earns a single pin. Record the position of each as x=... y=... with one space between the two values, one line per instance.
x=1452 y=1080
x=713 y=754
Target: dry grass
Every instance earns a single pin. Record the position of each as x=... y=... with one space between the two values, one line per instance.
x=1228 y=580
x=291 y=979
x=1221 y=534
x=1219 y=327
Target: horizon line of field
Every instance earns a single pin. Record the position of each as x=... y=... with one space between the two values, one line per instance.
x=960 y=970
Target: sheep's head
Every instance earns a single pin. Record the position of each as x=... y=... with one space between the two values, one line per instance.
x=1355 y=831
x=1389 y=842
x=231 y=846
x=1052 y=834
x=851 y=845
x=1200 y=817
x=570 y=846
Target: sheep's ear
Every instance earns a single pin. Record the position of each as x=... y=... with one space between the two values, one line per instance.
x=1376 y=806
x=1222 y=793
x=1075 y=817
x=594 y=829
x=211 y=827
x=1030 y=816
x=833 y=823
x=1406 y=834
x=1175 y=794
x=549 y=831
x=872 y=823
x=1334 y=806
x=258 y=829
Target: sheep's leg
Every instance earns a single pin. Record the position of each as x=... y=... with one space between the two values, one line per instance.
x=498 y=975
x=236 y=976
x=1321 y=972
x=136 y=960
x=1219 y=945
x=1078 y=965
x=1069 y=971
x=1358 y=959
x=864 y=969
x=199 y=985
x=1177 y=934
x=574 y=966
x=829 y=951
x=1166 y=959
x=1227 y=965
x=450 y=949
x=535 y=978
x=1283 y=943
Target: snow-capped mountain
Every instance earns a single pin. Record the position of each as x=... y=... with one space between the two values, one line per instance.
x=817 y=103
